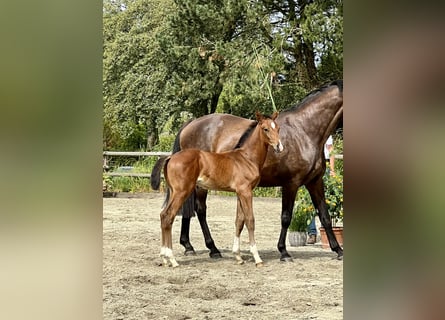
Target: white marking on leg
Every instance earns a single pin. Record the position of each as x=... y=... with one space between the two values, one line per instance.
x=256 y=255
x=236 y=250
x=170 y=257
x=162 y=255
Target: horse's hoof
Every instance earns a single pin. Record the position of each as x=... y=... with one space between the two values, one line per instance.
x=259 y=264
x=286 y=259
x=215 y=255
x=340 y=257
x=190 y=253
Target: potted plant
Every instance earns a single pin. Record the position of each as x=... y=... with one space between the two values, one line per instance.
x=301 y=218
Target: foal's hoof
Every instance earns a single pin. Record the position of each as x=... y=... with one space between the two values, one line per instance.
x=215 y=255
x=259 y=264
x=189 y=252
x=340 y=257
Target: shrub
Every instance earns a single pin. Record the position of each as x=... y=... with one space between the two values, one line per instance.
x=303 y=211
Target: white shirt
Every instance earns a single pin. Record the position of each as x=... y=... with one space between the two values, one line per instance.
x=329 y=142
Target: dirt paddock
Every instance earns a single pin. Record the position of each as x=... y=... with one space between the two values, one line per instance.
x=135 y=286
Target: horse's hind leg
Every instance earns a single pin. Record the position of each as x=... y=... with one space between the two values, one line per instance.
x=316 y=190
x=198 y=197
x=187 y=213
x=201 y=211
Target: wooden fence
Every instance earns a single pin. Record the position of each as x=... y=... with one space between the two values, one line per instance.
x=107 y=154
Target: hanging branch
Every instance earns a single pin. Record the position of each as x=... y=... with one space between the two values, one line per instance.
x=266 y=78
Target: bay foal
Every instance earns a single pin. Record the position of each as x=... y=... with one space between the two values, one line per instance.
x=237 y=170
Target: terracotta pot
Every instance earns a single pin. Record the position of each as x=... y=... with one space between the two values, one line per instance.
x=297 y=238
x=338 y=231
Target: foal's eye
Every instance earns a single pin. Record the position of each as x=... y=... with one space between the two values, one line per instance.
x=265 y=129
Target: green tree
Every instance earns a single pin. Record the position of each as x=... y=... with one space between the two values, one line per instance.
x=162 y=58
x=129 y=66
x=204 y=44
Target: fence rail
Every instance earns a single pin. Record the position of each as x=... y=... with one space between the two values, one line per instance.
x=106 y=154
x=136 y=153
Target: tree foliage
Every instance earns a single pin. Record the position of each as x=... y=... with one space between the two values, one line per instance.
x=164 y=58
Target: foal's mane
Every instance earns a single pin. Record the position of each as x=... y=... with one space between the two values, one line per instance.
x=248 y=132
x=313 y=94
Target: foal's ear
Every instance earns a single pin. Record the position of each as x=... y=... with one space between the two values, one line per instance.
x=275 y=115
x=259 y=116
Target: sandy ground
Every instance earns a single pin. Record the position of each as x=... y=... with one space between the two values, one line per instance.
x=136 y=286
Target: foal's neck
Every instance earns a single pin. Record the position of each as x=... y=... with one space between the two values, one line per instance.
x=255 y=147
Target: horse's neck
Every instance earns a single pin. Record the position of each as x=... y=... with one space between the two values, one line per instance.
x=322 y=116
x=255 y=147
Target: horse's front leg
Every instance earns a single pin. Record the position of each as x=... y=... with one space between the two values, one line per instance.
x=287 y=207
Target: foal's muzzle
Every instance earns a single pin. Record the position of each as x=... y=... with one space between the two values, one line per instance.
x=278 y=147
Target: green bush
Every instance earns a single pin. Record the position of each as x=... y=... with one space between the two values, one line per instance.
x=303 y=211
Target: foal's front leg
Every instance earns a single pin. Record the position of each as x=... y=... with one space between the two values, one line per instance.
x=239 y=224
x=245 y=204
x=249 y=220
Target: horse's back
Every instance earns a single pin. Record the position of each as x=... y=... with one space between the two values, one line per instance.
x=214 y=132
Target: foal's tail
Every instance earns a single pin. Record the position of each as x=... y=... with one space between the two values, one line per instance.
x=155 y=178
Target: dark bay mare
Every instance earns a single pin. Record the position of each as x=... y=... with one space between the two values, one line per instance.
x=235 y=170
x=304 y=131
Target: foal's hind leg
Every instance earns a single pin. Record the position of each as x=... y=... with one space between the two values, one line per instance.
x=167 y=217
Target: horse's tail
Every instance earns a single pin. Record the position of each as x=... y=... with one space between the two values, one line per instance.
x=188 y=207
x=155 y=178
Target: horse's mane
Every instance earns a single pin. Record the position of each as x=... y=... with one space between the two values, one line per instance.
x=248 y=132
x=246 y=135
x=313 y=94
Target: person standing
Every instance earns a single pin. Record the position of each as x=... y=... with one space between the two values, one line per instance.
x=330 y=170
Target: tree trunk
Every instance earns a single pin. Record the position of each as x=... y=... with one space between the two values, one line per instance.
x=215 y=97
x=152 y=132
